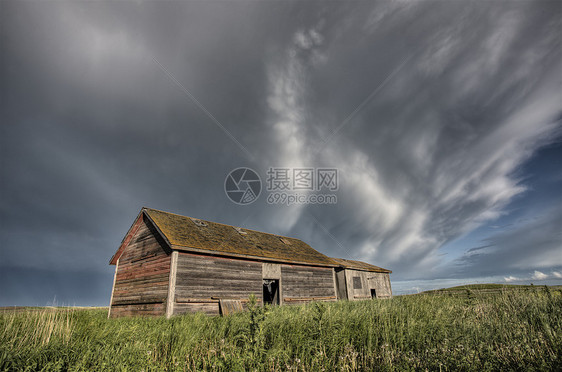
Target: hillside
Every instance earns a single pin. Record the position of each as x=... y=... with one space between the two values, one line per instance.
x=487 y=289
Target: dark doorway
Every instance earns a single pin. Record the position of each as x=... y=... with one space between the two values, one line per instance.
x=271 y=291
x=373 y=293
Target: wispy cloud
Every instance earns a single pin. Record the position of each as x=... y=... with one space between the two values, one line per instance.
x=510 y=278
x=537 y=275
x=435 y=154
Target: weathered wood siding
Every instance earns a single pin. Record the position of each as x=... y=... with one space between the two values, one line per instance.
x=155 y=309
x=209 y=308
x=202 y=280
x=381 y=282
x=369 y=280
x=141 y=281
x=341 y=288
x=271 y=271
x=301 y=284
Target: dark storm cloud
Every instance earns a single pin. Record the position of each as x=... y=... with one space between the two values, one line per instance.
x=93 y=129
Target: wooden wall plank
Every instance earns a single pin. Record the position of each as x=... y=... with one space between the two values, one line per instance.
x=301 y=284
x=172 y=284
x=142 y=276
x=206 y=276
x=341 y=287
x=271 y=271
x=155 y=309
x=113 y=288
x=196 y=307
x=380 y=282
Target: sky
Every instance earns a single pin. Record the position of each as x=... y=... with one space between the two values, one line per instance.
x=442 y=119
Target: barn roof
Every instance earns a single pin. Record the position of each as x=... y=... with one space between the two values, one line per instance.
x=195 y=235
x=359 y=265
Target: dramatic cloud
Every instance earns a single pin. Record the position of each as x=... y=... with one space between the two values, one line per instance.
x=433 y=154
x=429 y=110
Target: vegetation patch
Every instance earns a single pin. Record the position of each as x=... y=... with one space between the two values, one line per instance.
x=505 y=330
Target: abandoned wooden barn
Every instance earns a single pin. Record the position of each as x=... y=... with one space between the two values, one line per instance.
x=356 y=280
x=169 y=264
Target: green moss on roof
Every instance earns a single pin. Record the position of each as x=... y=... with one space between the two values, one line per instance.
x=359 y=265
x=184 y=232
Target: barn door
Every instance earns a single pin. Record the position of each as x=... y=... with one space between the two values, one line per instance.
x=271 y=291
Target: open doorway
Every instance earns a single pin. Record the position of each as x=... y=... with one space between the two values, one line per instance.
x=373 y=293
x=271 y=291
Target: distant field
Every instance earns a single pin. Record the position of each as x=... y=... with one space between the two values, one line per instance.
x=4 y=309
x=488 y=289
x=471 y=328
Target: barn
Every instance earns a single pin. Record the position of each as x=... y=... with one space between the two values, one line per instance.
x=169 y=264
x=356 y=280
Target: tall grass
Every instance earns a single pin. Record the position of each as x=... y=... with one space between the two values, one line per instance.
x=515 y=330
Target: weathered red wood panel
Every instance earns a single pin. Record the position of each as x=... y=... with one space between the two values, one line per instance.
x=141 y=282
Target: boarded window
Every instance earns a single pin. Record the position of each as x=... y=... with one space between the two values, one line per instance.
x=357 y=282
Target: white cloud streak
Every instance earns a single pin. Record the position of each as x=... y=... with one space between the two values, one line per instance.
x=444 y=163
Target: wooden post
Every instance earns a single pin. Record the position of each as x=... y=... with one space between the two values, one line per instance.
x=335 y=283
x=113 y=288
x=172 y=284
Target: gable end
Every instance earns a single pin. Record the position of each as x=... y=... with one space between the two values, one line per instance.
x=141 y=219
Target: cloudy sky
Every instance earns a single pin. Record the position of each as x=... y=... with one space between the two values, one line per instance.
x=443 y=120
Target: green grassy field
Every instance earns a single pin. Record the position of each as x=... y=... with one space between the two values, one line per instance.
x=465 y=328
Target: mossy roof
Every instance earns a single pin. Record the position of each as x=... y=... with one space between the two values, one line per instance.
x=359 y=265
x=186 y=233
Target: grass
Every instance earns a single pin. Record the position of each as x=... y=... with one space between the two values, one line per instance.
x=510 y=330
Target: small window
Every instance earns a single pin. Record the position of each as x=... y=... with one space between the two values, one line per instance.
x=240 y=231
x=199 y=223
x=357 y=282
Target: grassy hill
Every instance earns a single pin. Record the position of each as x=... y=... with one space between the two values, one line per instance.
x=515 y=329
x=485 y=289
